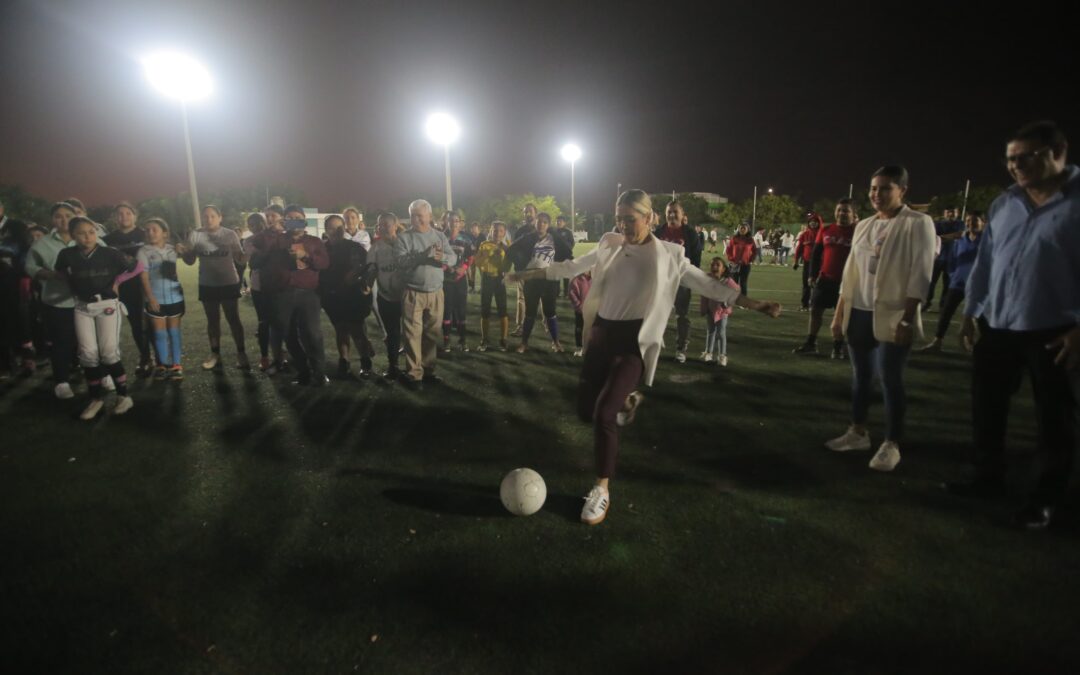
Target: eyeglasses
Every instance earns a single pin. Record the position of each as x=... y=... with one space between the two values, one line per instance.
x=1023 y=157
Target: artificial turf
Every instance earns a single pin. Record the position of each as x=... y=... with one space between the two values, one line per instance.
x=236 y=524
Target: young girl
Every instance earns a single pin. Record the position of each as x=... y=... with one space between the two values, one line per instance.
x=716 y=314
x=218 y=251
x=128 y=239
x=93 y=273
x=164 y=297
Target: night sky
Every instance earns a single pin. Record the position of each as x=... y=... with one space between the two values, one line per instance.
x=803 y=98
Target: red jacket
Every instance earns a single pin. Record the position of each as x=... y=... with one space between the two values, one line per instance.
x=304 y=273
x=741 y=249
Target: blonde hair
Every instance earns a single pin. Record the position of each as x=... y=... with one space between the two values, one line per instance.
x=638 y=200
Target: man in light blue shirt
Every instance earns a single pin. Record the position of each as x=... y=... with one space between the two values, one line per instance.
x=420 y=254
x=1023 y=314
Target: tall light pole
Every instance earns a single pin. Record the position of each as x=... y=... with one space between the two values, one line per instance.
x=572 y=154
x=183 y=78
x=443 y=130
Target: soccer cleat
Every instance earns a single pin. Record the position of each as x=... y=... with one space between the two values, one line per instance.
x=722 y=359
x=213 y=361
x=123 y=404
x=851 y=440
x=463 y=346
x=91 y=411
x=805 y=348
x=596 y=506
x=522 y=348
x=63 y=391
x=264 y=363
x=680 y=357
x=482 y=347
x=886 y=458
x=176 y=373
x=625 y=417
x=160 y=373
x=502 y=346
x=579 y=352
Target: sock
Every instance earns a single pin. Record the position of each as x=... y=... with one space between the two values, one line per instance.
x=553 y=328
x=174 y=339
x=94 y=374
x=446 y=330
x=161 y=344
x=504 y=328
x=119 y=377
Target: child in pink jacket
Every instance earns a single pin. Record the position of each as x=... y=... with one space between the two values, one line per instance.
x=579 y=288
x=716 y=314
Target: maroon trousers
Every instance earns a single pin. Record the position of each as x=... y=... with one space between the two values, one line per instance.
x=611 y=371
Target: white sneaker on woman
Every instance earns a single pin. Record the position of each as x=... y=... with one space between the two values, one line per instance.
x=706 y=357
x=887 y=457
x=596 y=506
x=851 y=440
x=123 y=404
x=722 y=359
x=91 y=411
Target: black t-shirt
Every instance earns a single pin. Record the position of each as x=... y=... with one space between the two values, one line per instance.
x=462 y=246
x=127 y=243
x=94 y=274
x=347 y=262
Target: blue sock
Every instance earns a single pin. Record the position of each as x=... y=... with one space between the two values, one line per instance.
x=161 y=344
x=553 y=328
x=174 y=338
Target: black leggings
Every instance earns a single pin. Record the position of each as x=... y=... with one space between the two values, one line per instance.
x=744 y=279
x=537 y=292
x=456 y=297
x=949 y=305
x=492 y=287
x=390 y=313
x=131 y=294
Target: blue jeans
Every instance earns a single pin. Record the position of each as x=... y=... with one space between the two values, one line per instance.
x=716 y=338
x=887 y=361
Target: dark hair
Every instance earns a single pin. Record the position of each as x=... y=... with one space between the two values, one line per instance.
x=17 y=231
x=295 y=207
x=276 y=209
x=330 y=217
x=126 y=205
x=256 y=222
x=79 y=220
x=893 y=172
x=562 y=218
x=1043 y=132
x=544 y=215
x=386 y=214
x=160 y=222
x=977 y=214
x=211 y=207
x=846 y=200
x=37 y=228
x=75 y=202
x=61 y=205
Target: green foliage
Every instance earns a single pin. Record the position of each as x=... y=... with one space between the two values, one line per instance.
x=695 y=208
x=18 y=203
x=979 y=199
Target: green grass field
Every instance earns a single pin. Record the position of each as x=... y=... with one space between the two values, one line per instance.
x=233 y=524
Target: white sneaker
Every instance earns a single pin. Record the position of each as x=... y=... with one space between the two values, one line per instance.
x=722 y=359
x=680 y=357
x=578 y=353
x=92 y=410
x=596 y=506
x=63 y=391
x=851 y=440
x=123 y=404
x=211 y=361
x=706 y=357
x=626 y=417
x=107 y=383
x=886 y=458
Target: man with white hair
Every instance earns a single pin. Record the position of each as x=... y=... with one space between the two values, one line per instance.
x=420 y=254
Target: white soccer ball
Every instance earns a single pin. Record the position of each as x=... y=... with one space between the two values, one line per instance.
x=523 y=492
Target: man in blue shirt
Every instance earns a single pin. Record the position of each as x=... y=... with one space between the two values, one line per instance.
x=949 y=229
x=1023 y=314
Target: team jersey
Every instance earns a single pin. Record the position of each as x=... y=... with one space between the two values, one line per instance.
x=463 y=249
x=127 y=243
x=160 y=265
x=836 y=245
x=94 y=274
x=543 y=252
x=491 y=258
x=218 y=253
x=804 y=243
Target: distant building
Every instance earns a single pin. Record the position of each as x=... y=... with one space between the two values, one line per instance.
x=716 y=202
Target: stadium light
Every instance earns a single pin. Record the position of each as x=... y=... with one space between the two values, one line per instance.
x=443 y=130
x=572 y=154
x=180 y=77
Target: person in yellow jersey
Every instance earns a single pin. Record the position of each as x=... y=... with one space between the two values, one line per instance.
x=492 y=263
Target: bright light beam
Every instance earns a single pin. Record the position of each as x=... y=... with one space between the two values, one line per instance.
x=178 y=76
x=442 y=128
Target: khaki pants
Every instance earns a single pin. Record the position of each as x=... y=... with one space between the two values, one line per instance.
x=421 y=323
x=519 y=315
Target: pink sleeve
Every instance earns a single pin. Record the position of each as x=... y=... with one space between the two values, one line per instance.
x=124 y=276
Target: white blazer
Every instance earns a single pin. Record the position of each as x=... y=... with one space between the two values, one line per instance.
x=903 y=271
x=673 y=269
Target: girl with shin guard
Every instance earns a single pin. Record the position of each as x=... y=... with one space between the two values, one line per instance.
x=164 y=298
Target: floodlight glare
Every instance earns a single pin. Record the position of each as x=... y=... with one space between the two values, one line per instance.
x=442 y=129
x=177 y=76
x=571 y=152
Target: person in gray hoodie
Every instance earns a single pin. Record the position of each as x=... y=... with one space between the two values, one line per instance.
x=421 y=252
